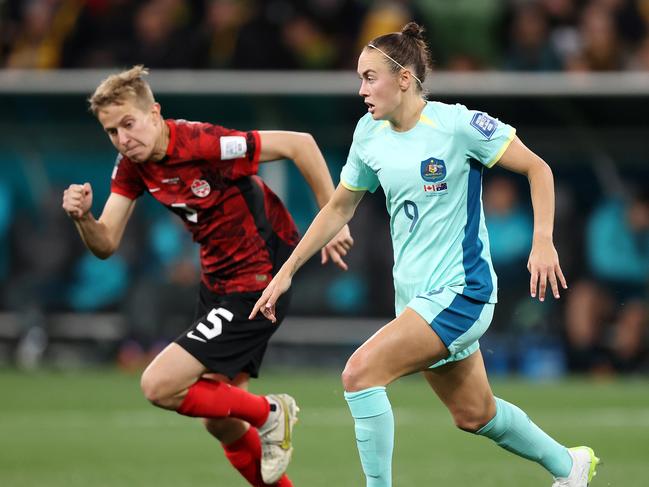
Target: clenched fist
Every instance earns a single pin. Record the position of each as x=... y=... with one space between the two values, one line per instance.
x=77 y=200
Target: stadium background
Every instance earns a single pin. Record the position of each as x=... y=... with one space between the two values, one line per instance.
x=74 y=331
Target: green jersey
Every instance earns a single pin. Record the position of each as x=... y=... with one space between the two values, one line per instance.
x=432 y=179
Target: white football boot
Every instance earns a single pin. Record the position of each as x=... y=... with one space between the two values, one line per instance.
x=276 y=437
x=584 y=463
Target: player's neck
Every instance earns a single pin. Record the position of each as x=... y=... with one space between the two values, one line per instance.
x=160 y=149
x=408 y=114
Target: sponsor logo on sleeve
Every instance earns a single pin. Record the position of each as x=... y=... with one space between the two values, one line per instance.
x=484 y=124
x=232 y=147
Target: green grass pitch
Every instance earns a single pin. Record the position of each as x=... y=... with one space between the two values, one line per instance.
x=94 y=429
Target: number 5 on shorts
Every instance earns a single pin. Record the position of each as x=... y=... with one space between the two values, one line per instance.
x=217 y=325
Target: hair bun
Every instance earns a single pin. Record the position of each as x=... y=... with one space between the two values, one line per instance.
x=413 y=29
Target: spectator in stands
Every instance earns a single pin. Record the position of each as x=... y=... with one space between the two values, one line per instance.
x=6 y=221
x=259 y=44
x=35 y=45
x=308 y=43
x=606 y=319
x=562 y=17
x=221 y=31
x=168 y=284
x=44 y=261
x=384 y=16
x=640 y=58
x=98 y=285
x=510 y=238
x=161 y=38
x=600 y=49
x=464 y=29
x=530 y=48
x=101 y=34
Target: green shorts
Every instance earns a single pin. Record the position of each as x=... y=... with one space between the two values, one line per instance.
x=458 y=320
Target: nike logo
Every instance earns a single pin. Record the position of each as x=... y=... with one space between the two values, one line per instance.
x=153 y=190
x=286 y=442
x=194 y=337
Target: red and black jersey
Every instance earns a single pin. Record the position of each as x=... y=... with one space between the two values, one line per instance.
x=208 y=178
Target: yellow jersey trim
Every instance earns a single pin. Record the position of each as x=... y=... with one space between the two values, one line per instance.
x=352 y=188
x=427 y=121
x=502 y=149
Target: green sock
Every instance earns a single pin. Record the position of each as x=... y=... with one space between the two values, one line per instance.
x=514 y=431
x=374 y=427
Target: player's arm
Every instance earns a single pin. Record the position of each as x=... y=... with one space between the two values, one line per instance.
x=327 y=223
x=543 y=263
x=302 y=149
x=102 y=236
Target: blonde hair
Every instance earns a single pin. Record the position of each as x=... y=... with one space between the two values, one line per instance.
x=128 y=85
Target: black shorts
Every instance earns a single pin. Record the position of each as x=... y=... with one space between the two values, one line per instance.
x=222 y=337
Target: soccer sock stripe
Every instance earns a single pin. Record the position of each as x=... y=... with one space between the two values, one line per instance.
x=374 y=427
x=514 y=431
x=245 y=455
x=213 y=399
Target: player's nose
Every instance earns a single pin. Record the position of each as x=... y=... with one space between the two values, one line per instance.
x=122 y=137
x=362 y=91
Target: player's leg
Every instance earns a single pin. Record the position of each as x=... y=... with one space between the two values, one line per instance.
x=240 y=442
x=435 y=327
x=174 y=381
x=629 y=335
x=464 y=388
x=227 y=342
x=587 y=309
x=407 y=344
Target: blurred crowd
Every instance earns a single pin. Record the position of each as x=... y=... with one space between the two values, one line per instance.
x=521 y=35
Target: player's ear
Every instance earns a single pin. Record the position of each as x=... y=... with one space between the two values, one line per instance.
x=405 y=78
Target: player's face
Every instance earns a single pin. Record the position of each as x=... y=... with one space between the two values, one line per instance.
x=133 y=131
x=379 y=86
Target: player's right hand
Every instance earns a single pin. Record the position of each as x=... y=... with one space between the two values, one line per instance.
x=77 y=200
x=266 y=303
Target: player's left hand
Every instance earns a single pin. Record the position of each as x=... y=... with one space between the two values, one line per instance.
x=337 y=248
x=266 y=303
x=543 y=265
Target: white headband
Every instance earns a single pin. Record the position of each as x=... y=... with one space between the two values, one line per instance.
x=395 y=62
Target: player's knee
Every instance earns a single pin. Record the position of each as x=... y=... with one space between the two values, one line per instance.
x=471 y=419
x=355 y=376
x=154 y=389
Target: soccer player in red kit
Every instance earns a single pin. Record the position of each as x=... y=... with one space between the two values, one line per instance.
x=206 y=174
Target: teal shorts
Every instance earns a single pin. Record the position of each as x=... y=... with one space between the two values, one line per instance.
x=458 y=320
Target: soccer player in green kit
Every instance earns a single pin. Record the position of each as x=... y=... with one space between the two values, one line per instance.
x=429 y=158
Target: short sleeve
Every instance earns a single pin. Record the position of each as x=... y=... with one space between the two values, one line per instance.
x=126 y=179
x=235 y=152
x=356 y=175
x=485 y=138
